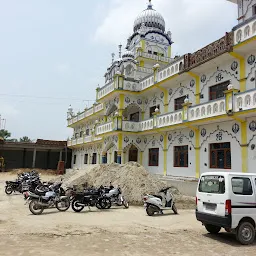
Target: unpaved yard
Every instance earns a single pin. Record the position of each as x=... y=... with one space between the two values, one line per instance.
x=113 y=232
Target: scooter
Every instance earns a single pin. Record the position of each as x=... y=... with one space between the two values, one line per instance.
x=159 y=203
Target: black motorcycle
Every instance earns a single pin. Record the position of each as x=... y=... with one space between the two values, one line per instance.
x=13 y=186
x=90 y=198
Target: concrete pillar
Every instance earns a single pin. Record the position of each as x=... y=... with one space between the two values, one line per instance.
x=24 y=158
x=34 y=158
x=47 y=159
x=60 y=157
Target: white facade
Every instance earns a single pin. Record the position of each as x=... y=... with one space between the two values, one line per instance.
x=176 y=116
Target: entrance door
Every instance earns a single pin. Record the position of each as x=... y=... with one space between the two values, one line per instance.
x=133 y=154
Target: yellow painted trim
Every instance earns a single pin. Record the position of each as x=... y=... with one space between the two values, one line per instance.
x=244 y=148
x=245 y=42
x=191 y=127
x=141 y=157
x=197 y=92
x=165 y=153
x=242 y=70
x=121 y=101
x=169 y=51
x=197 y=151
x=142 y=115
x=143 y=43
x=120 y=141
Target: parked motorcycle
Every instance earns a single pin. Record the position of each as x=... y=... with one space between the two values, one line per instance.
x=13 y=186
x=116 y=197
x=52 y=198
x=90 y=198
x=25 y=181
x=159 y=203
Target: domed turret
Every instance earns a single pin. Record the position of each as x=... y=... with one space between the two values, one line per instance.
x=128 y=54
x=150 y=18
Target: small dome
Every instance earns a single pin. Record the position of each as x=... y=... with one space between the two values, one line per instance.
x=150 y=18
x=128 y=54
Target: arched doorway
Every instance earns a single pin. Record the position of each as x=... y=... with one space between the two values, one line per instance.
x=133 y=154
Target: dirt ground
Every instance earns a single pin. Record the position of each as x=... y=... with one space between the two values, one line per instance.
x=114 y=232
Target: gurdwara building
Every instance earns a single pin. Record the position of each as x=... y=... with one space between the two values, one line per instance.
x=177 y=116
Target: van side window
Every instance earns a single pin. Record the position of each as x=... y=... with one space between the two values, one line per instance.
x=241 y=186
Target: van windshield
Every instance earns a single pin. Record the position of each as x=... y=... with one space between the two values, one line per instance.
x=212 y=184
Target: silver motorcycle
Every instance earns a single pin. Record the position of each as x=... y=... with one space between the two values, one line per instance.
x=116 y=196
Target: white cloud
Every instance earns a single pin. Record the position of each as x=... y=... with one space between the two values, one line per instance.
x=193 y=23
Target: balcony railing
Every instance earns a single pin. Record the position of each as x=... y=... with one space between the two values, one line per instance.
x=245 y=100
x=152 y=56
x=130 y=126
x=239 y=102
x=213 y=108
x=83 y=140
x=106 y=90
x=172 y=69
x=87 y=113
x=169 y=119
x=104 y=128
x=244 y=32
x=131 y=86
x=145 y=70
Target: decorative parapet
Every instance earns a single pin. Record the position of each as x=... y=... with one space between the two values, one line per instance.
x=145 y=70
x=153 y=57
x=211 y=51
x=86 y=113
x=169 y=119
x=83 y=140
x=172 y=69
x=245 y=31
x=206 y=110
x=242 y=101
x=106 y=90
x=245 y=101
x=131 y=86
x=104 y=128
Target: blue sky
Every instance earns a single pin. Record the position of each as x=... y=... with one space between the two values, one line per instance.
x=55 y=52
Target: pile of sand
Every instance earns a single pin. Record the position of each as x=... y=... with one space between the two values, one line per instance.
x=134 y=180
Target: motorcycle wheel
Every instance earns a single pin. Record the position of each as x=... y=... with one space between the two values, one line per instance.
x=8 y=190
x=34 y=208
x=75 y=207
x=63 y=205
x=174 y=209
x=150 y=210
x=126 y=204
x=98 y=205
x=105 y=203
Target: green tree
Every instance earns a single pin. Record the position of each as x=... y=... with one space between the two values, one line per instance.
x=5 y=134
x=25 y=139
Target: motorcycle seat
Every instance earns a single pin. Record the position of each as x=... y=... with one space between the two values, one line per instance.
x=158 y=197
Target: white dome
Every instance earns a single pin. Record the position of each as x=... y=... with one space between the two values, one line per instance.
x=151 y=18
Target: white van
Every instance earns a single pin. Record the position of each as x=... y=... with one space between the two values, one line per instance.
x=228 y=200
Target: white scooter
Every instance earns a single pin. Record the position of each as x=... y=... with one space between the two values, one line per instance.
x=159 y=203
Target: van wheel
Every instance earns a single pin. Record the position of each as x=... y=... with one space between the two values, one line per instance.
x=212 y=229
x=245 y=233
